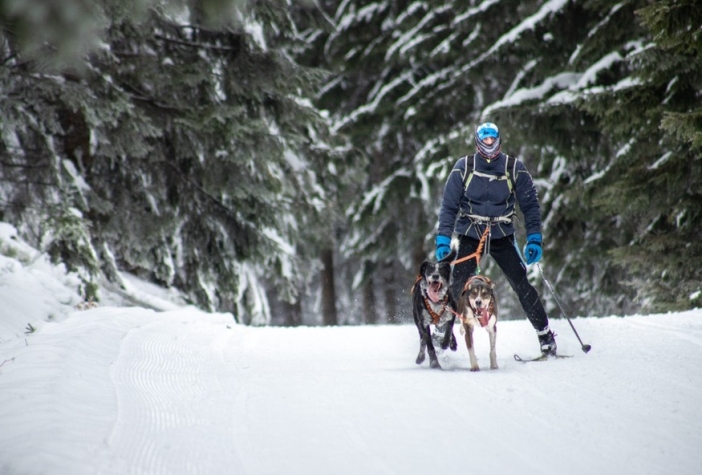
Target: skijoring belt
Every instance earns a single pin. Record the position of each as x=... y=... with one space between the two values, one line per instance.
x=487 y=219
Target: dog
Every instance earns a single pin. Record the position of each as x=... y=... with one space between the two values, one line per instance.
x=478 y=306
x=434 y=305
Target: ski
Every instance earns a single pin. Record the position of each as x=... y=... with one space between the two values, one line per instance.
x=540 y=358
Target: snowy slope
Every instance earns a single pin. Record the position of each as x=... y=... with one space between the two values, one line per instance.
x=116 y=390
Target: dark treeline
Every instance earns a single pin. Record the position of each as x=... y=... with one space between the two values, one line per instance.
x=285 y=162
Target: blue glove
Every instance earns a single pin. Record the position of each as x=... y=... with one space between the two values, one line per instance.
x=532 y=250
x=443 y=246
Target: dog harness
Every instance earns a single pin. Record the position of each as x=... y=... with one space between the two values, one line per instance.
x=510 y=164
x=436 y=317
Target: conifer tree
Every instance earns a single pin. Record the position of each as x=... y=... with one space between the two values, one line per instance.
x=559 y=77
x=625 y=175
x=572 y=54
x=658 y=187
x=188 y=146
x=410 y=99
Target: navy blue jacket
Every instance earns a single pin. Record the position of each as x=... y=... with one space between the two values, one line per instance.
x=489 y=198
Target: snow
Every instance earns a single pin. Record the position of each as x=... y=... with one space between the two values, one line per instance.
x=467 y=16
x=255 y=31
x=528 y=67
x=414 y=35
x=594 y=32
x=596 y=176
x=663 y=159
x=77 y=178
x=560 y=81
x=376 y=99
x=547 y=9
x=571 y=95
x=603 y=64
x=131 y=390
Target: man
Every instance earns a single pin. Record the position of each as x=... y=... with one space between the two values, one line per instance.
x=480 y=197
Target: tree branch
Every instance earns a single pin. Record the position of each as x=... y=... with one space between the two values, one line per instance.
x=195 y=45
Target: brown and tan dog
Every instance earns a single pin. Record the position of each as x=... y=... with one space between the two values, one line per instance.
x=478 y=306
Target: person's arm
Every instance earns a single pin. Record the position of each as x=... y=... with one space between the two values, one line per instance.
x=451 y=202
x=528 y=200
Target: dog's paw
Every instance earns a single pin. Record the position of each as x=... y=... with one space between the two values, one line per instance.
x=435 y=364
x=475 y=368
x=494 y=366
x=420 y=358
x=453 y=345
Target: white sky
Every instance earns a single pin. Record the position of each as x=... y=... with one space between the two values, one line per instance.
x=117 y=390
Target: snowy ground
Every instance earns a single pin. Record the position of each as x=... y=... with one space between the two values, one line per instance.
x=117 y=390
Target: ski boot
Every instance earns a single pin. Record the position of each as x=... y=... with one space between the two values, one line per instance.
x=547 y=341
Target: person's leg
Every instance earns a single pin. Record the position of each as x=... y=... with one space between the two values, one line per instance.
x=507 y=257
x=464 y=270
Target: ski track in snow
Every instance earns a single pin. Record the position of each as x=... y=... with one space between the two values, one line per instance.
x=129 y=391
x=169 y=393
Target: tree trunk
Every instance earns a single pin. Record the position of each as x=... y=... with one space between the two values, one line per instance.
x=370 y=309
x=293 y=313
x=391 y=302
x=418 y=255
x=328 y=291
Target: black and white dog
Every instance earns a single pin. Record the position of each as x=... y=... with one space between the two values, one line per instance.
x=433 y=305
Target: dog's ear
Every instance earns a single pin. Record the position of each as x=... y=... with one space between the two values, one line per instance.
x=460 y=305
x=423 y=267
x=468 y=285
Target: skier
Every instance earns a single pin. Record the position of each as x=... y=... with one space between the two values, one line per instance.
x=479 y=197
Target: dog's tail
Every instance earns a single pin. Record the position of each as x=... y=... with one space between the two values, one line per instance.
x=450 y=257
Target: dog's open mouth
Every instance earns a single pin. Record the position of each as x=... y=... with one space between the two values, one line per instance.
x=483 y=315
x=433 y=291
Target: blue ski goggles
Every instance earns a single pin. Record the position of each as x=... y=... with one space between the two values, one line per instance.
x=487 y=129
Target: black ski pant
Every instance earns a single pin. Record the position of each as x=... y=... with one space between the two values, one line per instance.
x=507 y=257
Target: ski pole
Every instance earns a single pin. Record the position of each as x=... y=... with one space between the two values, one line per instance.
x=585 y=347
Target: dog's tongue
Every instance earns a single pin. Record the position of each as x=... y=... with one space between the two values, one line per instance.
x=483 y=316
x=434 y=289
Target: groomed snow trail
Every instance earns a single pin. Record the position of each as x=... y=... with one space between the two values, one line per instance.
x=129 y=391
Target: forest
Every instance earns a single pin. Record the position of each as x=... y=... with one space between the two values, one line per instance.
x=284 y=160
